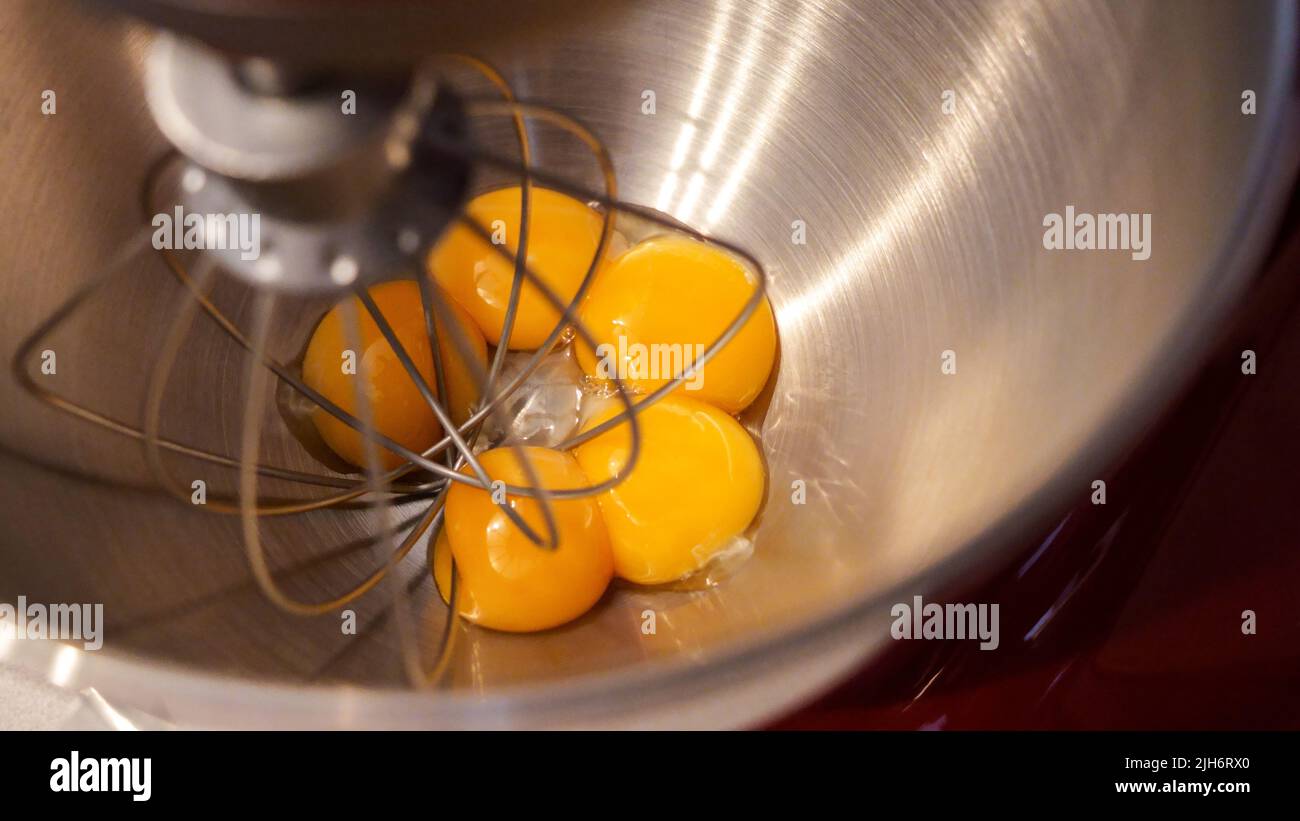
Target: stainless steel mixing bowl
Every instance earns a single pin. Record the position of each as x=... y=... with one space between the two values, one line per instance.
x=924 y=234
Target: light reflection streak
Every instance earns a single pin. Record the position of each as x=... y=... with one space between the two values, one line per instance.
x=693 y=190
x=790 y=66
x=682 y=147
x=952 y=145
x=740 y=78
x=64 y=665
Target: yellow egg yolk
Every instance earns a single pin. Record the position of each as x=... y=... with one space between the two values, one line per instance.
x=563 y=235
x=397 y=409
x=505 y=581
x=657 y=308
x=696 y=485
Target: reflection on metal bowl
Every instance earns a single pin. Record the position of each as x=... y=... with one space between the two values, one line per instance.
x=945 y=379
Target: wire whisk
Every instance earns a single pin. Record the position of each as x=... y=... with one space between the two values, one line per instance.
x=423 y=477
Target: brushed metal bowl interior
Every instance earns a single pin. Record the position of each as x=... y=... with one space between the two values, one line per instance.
x=924 y=235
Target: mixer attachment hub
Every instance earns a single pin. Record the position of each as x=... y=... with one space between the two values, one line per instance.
x=338 y=180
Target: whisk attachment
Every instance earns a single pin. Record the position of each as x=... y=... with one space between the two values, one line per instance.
x=432 y=122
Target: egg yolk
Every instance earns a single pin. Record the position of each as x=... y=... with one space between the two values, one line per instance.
x=563 y=235
x=696 y=485
x=658 y=307
x=506 y=582
x=397 y=408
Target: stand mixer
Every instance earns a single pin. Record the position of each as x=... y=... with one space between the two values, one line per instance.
x=896 y=232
